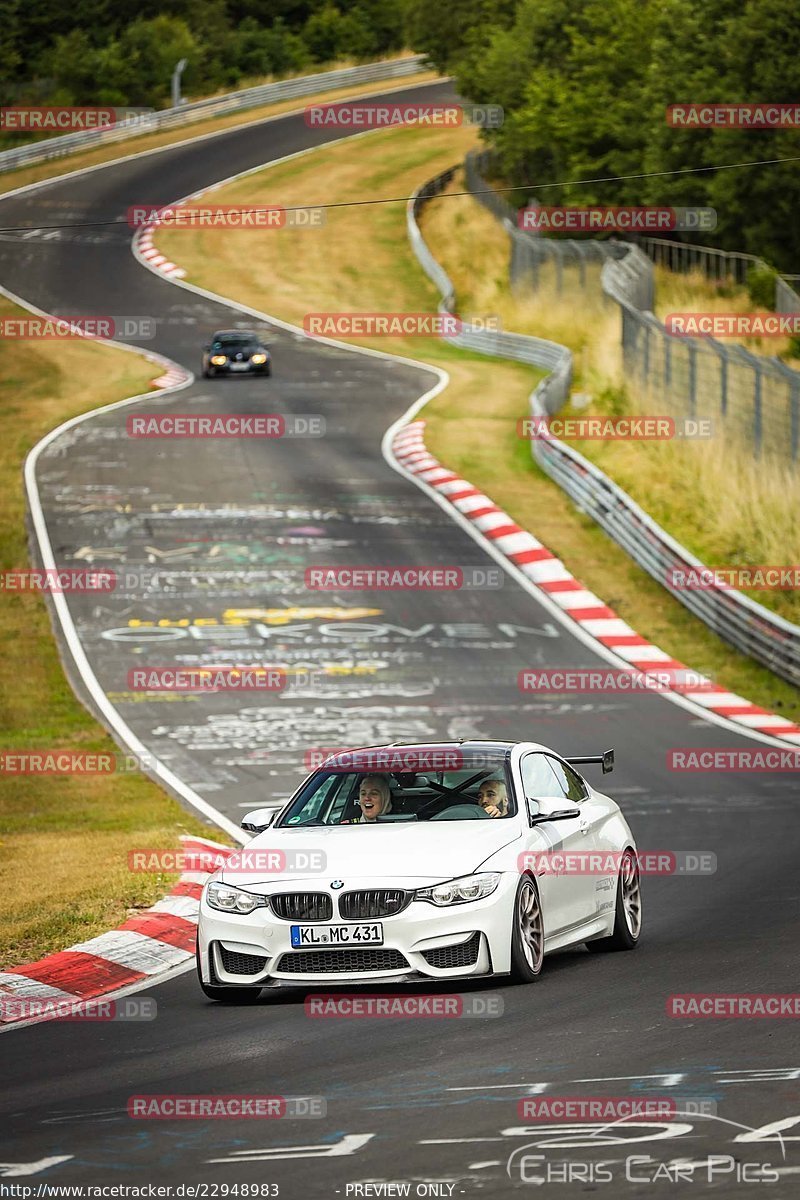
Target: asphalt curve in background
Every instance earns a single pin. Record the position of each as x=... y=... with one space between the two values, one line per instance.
x=231 y=526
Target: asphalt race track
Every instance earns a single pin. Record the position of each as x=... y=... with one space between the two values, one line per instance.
x=215 y=536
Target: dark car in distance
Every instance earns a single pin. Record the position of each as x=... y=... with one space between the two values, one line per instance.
x=234 y=352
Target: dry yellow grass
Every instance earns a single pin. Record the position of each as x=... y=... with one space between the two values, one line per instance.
x=63 y=876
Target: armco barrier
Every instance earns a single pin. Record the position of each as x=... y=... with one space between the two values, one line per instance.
x=553 y=390
x=743 y=623
x=171 y=118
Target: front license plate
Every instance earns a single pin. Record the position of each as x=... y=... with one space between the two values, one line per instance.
x=240 y=366
x=337 y=935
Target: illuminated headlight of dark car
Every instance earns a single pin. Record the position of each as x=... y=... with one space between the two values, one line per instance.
x=225 y=898
x=219 y=360
x=460 y=891
x=258 y=359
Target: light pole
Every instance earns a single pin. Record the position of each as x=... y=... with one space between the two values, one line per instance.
x=176 y=82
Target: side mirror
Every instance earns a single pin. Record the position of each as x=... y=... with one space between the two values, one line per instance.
x=258 y=820
x=208 y=347
x=558 y=814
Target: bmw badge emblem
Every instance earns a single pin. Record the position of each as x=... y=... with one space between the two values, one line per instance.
x=337 y=883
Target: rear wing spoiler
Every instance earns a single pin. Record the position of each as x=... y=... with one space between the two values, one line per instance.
x=606 y=760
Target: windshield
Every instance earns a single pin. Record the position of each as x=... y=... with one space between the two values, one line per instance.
x=235 y=340
x=335 y=796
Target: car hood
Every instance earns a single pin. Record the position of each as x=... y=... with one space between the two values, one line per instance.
x=427 y=852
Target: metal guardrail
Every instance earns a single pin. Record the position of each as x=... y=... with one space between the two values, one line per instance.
x=753 y=399
x=751 y=628
x=186 y=114
x=553 y=390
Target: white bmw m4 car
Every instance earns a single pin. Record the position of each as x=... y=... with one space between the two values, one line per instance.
x=376 y=872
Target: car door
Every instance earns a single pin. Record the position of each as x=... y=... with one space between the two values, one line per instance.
x=567 y=893
x=600 y=877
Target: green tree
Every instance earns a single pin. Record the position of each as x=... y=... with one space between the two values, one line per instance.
x=445 y=33
x=141 y=62
x=323 y=33
x=757 y=206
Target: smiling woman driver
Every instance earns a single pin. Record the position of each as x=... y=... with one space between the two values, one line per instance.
x=374 y=797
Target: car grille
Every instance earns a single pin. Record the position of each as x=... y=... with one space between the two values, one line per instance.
x=447 y=957
x=347 y=961
x=378 y=902
x=302 y=906
x=241 y=964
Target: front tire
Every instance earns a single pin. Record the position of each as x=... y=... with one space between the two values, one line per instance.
x=627 y=911
x=527 y=933
x=221 y=993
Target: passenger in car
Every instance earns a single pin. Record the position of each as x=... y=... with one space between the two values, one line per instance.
x=493 y=798
x=374 y=797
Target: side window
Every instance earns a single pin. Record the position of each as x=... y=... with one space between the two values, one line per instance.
x=569 y=781
x=539 y=782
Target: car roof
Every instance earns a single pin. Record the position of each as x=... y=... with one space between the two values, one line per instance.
x=226 y=333
x=343 y=758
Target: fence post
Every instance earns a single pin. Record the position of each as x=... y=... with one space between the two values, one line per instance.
x=667 y=360
x=757 y=414
x=646 y=353
x=692 y=379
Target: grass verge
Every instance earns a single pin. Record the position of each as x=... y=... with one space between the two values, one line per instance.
x=63 y=872
x=361 y=261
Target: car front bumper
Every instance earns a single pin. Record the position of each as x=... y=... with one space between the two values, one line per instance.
x=423 y=942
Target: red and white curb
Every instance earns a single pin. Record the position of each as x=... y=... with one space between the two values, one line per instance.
x=549 y=574
x=143 y=241
x=156 y=940
x=171 y=378
x=144 y=244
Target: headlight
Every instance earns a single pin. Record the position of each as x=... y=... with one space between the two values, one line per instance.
x=258 y=359
x=460 y=891
x=219 y=360
x=231 y=899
